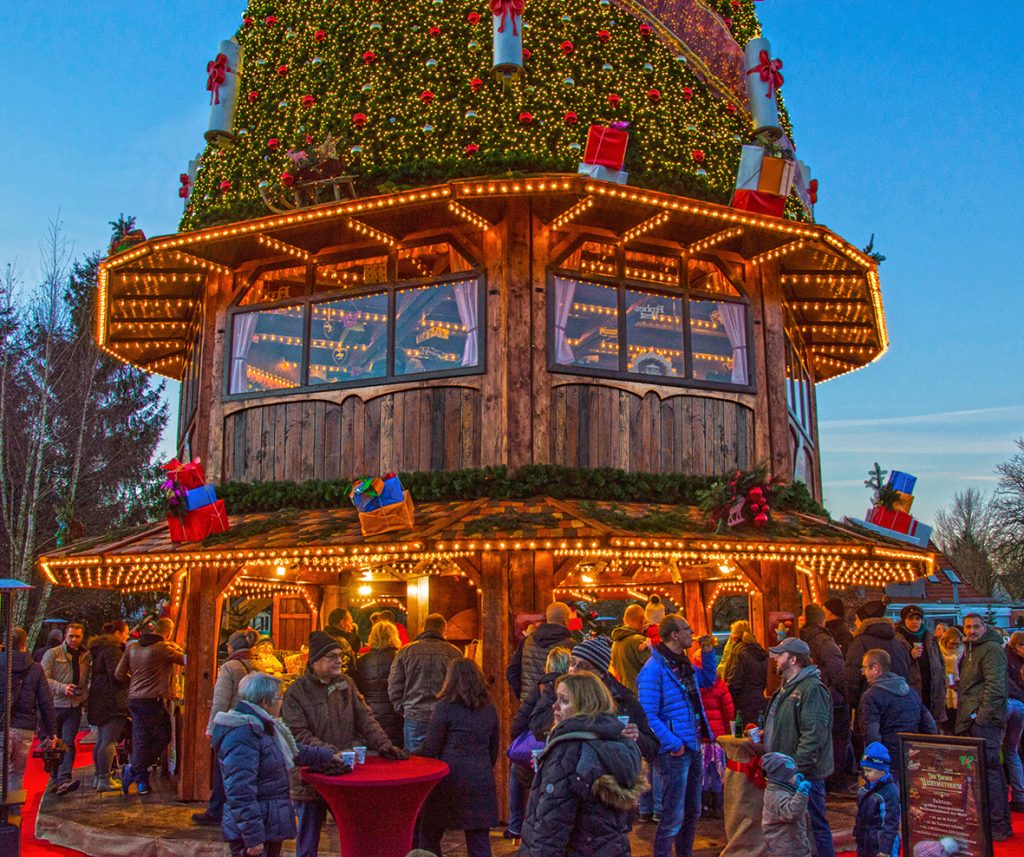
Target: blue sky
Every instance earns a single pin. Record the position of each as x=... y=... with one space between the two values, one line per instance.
x=908 y=113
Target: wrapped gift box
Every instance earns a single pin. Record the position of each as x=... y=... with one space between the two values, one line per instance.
x=759 y=203
x=198 y=524
x=385 y=519
x=596 y=171
x=606 y=147
x=902 y=481
x=904 y=502
x=196 y=498
x=892 y=519
x=190 y=475
x=368 y=495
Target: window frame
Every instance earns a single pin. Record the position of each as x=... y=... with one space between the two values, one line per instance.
x=391 y=288
x=799 y=399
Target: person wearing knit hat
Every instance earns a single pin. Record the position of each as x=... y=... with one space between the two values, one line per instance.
x=596 y=651
x=875 y=631
x=835 y=623
x=928 y=671
x=877 y=827
x=871 y=610
x=945 y=846
x=784 y=815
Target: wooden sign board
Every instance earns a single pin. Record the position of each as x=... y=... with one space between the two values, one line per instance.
x=944 y=796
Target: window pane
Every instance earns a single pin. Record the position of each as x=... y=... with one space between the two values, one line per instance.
x=436 y=328
x=718 y=336
x=593 y=257
x=586 y=320
x=431 y=260
x=354 y=272
x=266 y=349
x=349 y=339
x=652 y=267
x=279 y=285
x=654 y=334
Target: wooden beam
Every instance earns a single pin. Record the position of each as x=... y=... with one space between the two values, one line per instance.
x=497 y=645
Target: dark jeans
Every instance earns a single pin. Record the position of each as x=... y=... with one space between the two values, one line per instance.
x=998 y=801
x=215 y=807
x=821 y=833
x=518 y=795
x=270 y=849
x=105 y=747
x=312 y=814
x=151 y=732
x=842 y=749
x=680 y=799
x=68 y=720
x=478 y=842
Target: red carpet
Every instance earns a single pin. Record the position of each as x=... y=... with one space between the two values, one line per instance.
x=35 y=783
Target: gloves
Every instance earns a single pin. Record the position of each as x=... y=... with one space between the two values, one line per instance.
x=393 y=752
x=333 y=767
x=803 y=786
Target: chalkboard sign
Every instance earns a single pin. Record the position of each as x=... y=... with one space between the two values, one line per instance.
x=945 y=803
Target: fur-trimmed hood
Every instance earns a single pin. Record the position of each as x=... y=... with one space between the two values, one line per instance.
x=254 y=717
x=607 y=790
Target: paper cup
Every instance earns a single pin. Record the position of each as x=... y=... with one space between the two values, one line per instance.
x=349 y=757
x=360 y=754
x=624 y=719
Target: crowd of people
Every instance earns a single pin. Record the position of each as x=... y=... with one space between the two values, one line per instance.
x=608 y=732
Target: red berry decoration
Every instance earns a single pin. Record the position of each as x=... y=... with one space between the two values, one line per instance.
x=603 y=36
x=287 y=179
x=687 y=93
x=273 y=143
x=319 y=36
x=567 y=47
x=426 y=96
x=225 y=185
x=472 y=149
x=282 y=71
x=761 y=519
x=434 y=32
x=613 y=99
x=697 y=155
x=475 y=84
x=525 y=118
x=369 y=57
x=527 y=53
x=270 y=20
x=570 y=118
x=308 y=100
x=654 y=96
x=645 y=29
x=254 y=96
x=359 y=119
x=473 y=18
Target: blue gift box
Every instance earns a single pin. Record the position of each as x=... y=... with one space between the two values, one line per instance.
x=391 y=493
x=902 y=481
x=196 y=498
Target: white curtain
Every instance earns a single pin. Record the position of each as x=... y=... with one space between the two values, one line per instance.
x=466 y=301
x=734 y=320
x=241 y=341
x=564 y=291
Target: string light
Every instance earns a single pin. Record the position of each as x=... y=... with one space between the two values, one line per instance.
x=370 y=232
x=470 y=216
x=642 y=228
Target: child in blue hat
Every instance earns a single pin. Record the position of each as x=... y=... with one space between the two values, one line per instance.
x=877 y=829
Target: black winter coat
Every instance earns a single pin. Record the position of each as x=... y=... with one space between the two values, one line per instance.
x=928 y=672
x=747 y=675
x=527 y=665
x=827 y=657
x=874 y=634
x=108 y=697
x=587 y=784
x=878 y=818
x=531 y=709
x=372 y=671
x=891 y=706
x=840 y=632
x=32 y=699
x=467 y=741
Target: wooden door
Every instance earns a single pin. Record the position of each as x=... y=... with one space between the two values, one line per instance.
x=293 y=622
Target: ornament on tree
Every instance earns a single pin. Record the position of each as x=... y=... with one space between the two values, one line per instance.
x=426 y=96
x=472 y=149
x=308 y=100
x=567 y=47
x=320 y=36
x=270 y=20
x=698 y=156
x=614 y=100
x=273 y=143
x=473 y=18
x=475 y=84
x=254 y=96
x=687 y=93
x=225 y=185
x=223 y=75
x=763 y=79
x=369 y=57
x=525 y=118
x=434 y=32
x=603 y=36
x=571 y=118
x=606 y=152
x=359 y=119
x=653 y=95
x=287 y=179
x=506 y=17
x=646 y=29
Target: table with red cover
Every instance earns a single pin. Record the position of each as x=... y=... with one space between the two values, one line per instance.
x=375 y=806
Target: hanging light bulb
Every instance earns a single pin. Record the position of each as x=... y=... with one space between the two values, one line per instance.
x=365 y=589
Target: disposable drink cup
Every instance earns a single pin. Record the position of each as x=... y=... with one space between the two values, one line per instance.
x=535 y=755
x=360 y=754
x=624 y=719
x=349 y=757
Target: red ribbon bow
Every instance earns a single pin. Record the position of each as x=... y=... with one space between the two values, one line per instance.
x=751 y=770
x=768 y=71
x=216 y=71
x=508 y=9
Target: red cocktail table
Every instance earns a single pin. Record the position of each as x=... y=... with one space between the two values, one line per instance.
x=375 y=806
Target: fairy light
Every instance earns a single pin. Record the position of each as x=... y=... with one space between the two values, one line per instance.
x=571 y=213
x=370 y=232
x=460 y=210
x=642 y=228
x=284 y=247
x=717 y=238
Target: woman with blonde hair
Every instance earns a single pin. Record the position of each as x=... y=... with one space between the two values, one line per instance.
x=951 y=646
x=737 y=631
x=588 y=777
x=372 y=671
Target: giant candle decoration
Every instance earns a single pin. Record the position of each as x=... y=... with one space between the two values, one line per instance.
x=507 y=28
x=223 y=73
x=763 y=78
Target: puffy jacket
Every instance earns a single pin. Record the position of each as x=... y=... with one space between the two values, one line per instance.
x=928 y=672
x=874 y=634
x=799 y=724
x=667 y=706
x=59 y=670
x=827 y=657
x=630 y=651
x=718 y=707
x=467 y=740
x=150 y=666
x=225 y=689
x=877 y=826
x=982 y=690
x=108 y=697
x=31 y=697
x=328 y=715
x=746 y=675
x=890 y=706
x=840 y=632
x=254 y=762
x=784 y=821
x=587 y=783
x=528 y=661
x=372 y=671
x=417 y=675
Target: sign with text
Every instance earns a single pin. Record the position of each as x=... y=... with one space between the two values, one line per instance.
x=944 y=797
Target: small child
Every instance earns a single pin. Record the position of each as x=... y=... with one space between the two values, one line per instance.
x=784 y=818
x=877 y=829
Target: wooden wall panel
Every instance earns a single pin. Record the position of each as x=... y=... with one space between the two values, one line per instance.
x=598 y=426
x=428 y=428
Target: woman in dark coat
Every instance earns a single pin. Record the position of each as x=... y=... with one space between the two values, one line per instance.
x=108 y=702
x=746 y=676
x=463 y=732
x=372 y=671
x=256 y=752
x=588 y=778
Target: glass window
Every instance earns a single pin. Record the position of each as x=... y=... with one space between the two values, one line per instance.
x=707 y=277
x=654 y=334
x=593 y=257
x=718 y=336
x=586 y=324
x=431 y=260
x=348 y=339
x=354 y=272
x=266 y=349
x=652 y=267
x=278 y=285
x=798 y=381
x=436 y=328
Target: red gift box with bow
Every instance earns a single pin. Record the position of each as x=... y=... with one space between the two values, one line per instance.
x=606 y=147
x=199 y=523
x=189 y=475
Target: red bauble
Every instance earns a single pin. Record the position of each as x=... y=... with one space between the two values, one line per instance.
x=654 y=95
x=614 y=100
x=225 y=185
x=473 y=18
x=434 y=32
x=309 y=139
x=730 y=108
x=308 y=100
x=570 y=118
x=525 y=118
x=287 y=179
x=603 y=36
x=475 y=84
x=527 y=53
x=359 y=119
x=319 y=35
x=369 y=57
x=687 y=93
x=736 y=5
x=472 y=149
x=426 y=96
x=567 y=47
x=247 y=21
x=697 y=155
x=645 y=29
x=761 y=520
x=755 y=492
x=282 y=71
x=728 y=22
x=270 y=20
x=273 y=143
x=254 y=96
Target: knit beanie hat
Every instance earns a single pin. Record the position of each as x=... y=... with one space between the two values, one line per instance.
x=910 y=610
x=321 y=643
x=836 y=607
x=814 y=615
x=876 y=756
x=595 y=650
x=244 y=639
x=871 y=610
x=946 y=846
x=779 y=768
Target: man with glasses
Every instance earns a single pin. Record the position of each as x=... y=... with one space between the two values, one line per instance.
x=669 y=690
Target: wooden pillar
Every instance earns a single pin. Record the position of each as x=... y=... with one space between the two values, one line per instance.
x=774 y=358
x=519 y=391
x=497 y=640
x=781 y=594
x=543 y=580
x=417 y=604
x=493 y=446
x=694 y=610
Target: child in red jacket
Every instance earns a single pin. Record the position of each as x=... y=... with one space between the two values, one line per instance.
x=720 y=713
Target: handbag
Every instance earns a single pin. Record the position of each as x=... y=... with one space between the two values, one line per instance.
x=520 y=751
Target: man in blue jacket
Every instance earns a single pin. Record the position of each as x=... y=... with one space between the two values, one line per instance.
x=669 y=691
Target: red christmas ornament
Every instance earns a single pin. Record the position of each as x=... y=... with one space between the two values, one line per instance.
x=525 y=118
x=434 y=32
x=186 y=185
x=426 y=96
x=270 y=20
x=254 y=96
x=527 y=53
x=247 y=21
x=473 y=18
x=570 y=118
x=287 y=179
x=645 y=29
x=309 y=139
x=761 y=520
x=613 y=99
x=472 y=149
x=369 y=57
x=730 y=108
x=319 y=36
x=225 y=185
x=697 y=155
x=812 y=191
x=603 y=36
x=728 y=22
x=687 y=93
x=567 y=47
x=359 y=119
x=736 y=5
x=654 y=96
x=475 y=84
x=273 y=143
x=282 y=71
x=308 y=100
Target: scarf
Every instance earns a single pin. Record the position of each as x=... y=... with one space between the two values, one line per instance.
x=917 y=636
x=683 y=670
x=253 y=715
